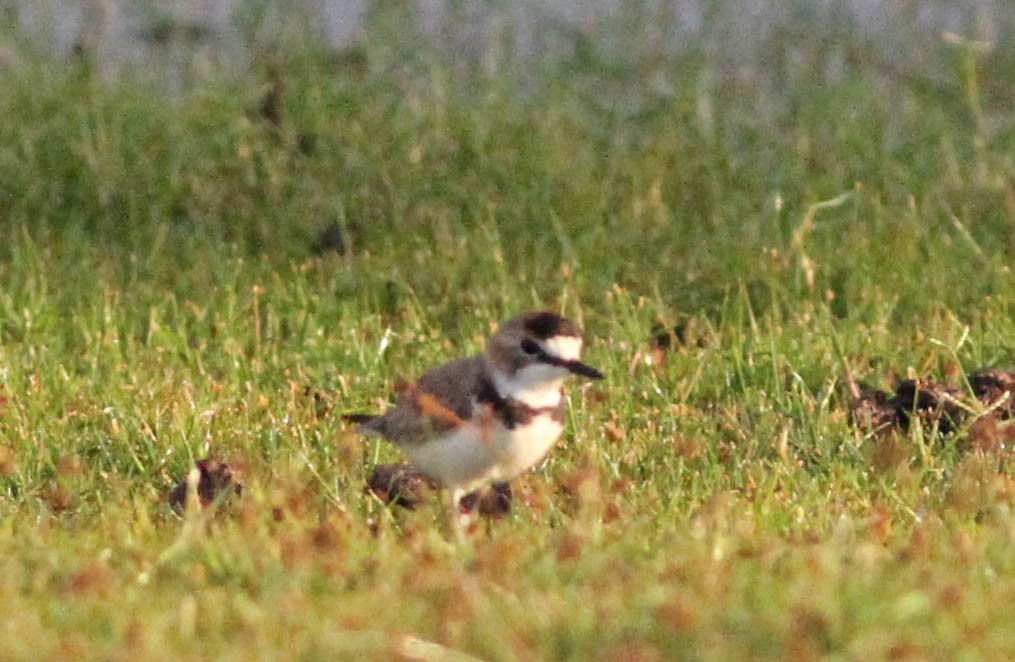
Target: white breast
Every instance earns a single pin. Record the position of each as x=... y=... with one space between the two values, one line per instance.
x=525 y=446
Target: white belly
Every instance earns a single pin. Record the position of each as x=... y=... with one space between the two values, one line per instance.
x=465 y=457
x=457 y=459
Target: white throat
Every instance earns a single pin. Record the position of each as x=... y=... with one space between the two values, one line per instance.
x=536 y=385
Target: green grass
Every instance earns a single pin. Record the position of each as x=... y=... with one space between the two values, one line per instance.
x=160 y=300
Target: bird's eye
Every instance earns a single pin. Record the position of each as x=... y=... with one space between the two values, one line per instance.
x=530 y=346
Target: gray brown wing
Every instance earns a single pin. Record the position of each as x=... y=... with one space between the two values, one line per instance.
x=438 y=402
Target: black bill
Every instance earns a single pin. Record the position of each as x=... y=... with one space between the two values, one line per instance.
x=574 y=366
x=583 y=369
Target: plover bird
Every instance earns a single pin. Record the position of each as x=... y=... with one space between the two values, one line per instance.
x=489 y=417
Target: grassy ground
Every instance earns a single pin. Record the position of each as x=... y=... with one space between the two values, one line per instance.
x=161 y=299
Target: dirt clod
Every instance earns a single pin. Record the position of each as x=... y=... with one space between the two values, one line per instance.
x=986 y=410
x=216 y=480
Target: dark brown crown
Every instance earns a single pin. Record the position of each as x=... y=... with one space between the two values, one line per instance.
x=545 y=325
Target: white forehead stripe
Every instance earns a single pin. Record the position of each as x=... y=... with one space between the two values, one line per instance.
x=568 y=348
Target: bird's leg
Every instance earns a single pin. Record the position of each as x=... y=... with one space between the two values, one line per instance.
x=457 y=525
